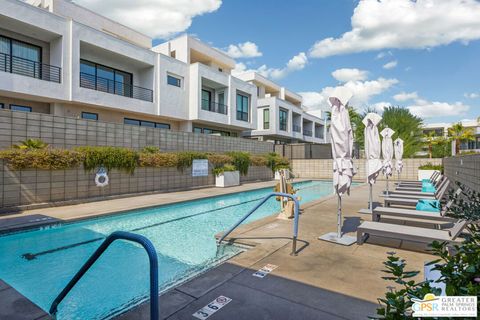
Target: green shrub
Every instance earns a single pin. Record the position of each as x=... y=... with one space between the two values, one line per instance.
x=226 y=168
x=185 y=158
x=157 y=160
x=150 y=149
x=109 y=157
x=430 y=166
x=277 y=162
x=218 y=159
x=47 y=159
x=258 y=161
x=241 y=160
x=31 y=144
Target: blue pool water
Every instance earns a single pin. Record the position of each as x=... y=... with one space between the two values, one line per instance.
x=183 y=235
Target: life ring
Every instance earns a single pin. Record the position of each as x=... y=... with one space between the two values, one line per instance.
x=101 y=178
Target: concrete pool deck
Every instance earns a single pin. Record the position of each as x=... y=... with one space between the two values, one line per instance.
x=324 y=281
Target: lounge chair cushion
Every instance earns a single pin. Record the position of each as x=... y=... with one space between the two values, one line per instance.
x=429 y=188
x=428 y=205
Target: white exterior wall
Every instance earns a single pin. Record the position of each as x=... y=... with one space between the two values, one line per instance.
x=173 y=101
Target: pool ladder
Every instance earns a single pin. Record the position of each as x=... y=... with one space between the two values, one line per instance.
x=118 y=235
x=295 y=218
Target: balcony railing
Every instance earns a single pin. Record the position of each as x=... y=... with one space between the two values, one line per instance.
x=297 y=128
x=307 y=132
x=318 y=135
x=29 y=68
x=90 y=81
x=209 y=105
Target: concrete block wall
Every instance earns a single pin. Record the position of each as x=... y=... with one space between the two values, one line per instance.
x=464 y=169
x=66 y=132
x=27 y=187
x=322 y=168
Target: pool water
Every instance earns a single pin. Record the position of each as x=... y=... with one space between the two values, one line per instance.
x=39 y=263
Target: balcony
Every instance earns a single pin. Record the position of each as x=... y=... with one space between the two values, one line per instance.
x=29 y=68
x=297 y=128
x=214 y=106
x=115 y=87
x=307 y=132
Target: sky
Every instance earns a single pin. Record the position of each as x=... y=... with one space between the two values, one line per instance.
x=423 y=55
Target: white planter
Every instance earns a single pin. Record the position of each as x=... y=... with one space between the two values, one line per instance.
x=425 y=174
x=228 y=179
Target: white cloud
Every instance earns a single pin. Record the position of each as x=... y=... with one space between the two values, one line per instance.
x=380 y=106
x=156 y=18
x=363 y=91
x=383 y=54
x=347 y=74
x=431 y=109
x=404 y=96
x=296 y=63
x=472 y=95
x=378 y=25
x=244 y=50
x=390 y=65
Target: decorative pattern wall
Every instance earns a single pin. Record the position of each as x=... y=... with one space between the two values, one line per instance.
x=64 y=132
x=322 y=169
x=28 y=187
x=464 y=169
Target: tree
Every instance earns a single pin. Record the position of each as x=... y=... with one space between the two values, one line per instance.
x=432 y=140
x=459 y=133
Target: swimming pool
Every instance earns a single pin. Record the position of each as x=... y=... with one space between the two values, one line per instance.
x=40 y=262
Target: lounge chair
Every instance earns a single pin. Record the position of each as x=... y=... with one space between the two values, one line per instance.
x=432 y=178
x=418 y=193
x=404 y=200
x=408 y=233
x=405 y=214
x=418 y=187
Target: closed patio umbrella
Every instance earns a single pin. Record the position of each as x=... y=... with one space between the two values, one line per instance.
x=342 y=147
x=372 y=154
x=398 y=146
x=387 y=152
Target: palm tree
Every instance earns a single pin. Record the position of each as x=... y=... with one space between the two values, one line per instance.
x=459 y=133
x=431 y=140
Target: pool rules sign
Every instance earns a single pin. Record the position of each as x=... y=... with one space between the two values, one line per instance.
x=200 y=168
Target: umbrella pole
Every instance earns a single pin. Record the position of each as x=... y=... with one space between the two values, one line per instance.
x=370 y=197
x=339 y=217
x=387 y=185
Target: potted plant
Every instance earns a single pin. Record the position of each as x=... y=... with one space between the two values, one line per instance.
x=226 y=176
x=425 y=171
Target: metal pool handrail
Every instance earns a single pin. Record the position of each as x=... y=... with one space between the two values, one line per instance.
x=118 y=235
x=295 y=218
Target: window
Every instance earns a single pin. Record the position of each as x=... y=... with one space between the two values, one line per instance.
x=15 y=107
x=242 y=107
x=20 y=57
x=102 y=78
x=213 y=131
x=89 y=116
x=266 y=118
x=174 y=81
x=143 y=123
x=2 y=106
x=283 y=119
x=206 y=100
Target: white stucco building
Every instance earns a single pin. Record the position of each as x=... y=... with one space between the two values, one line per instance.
x=281 y=117
x=441 y=129
x=60 y=58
